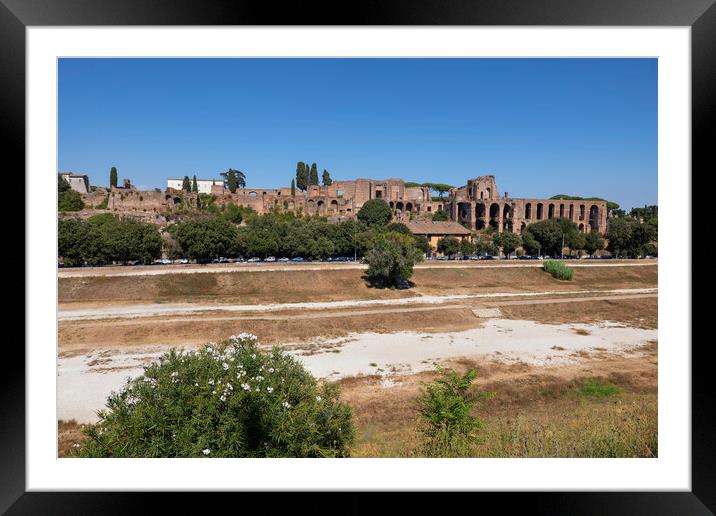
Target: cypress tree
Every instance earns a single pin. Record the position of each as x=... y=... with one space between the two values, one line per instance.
x=186 y=184
x=327 y=181
x=194 y=186
x=113 y=177
x=301 y=176
x=293 y=187
x=314 y=175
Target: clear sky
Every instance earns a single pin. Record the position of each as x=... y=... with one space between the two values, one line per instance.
x=541 y=126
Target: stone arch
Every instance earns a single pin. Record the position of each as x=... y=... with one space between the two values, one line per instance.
x=523 y=227
x=528 y=210
x=399 y=206
x=177 y=200
x=252 y=194
x=334 y=203
x=561 y=211
x=408 y=206
x=392 y=205
x=489 y=192
x=550 y=211
x=571 y=212
x=480 y=215
x=507 y=225
x=495 y=216
x=581 y=228
x=594 y=217
x=507 y=211
x=581 y=211
x=540 y=210
x=464 y=212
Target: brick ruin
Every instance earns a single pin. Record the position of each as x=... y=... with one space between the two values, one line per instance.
x=475 y=205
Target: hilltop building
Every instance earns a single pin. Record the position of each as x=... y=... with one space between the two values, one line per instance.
x=78 y=182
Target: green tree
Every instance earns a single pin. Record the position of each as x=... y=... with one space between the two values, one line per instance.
x=194 y=185
x=593 y=243
x=508 y=242
x=234 y=179
x=398 y=227
x=467 y=248
x=301 y=176
x=619 y=234
x=70 y=201
x=186 y=184
x=391 y=259
x=293 y=188
x=375 y=212
x=422 y=243
x=327 y=181
x=113 y=177
x=227 y=400
x=549 y=234
x=449 y=245
x=441 y=215
x=440 y=188
x=313 y=178
x=530 y=244
x=206 y=239
x=445 y=407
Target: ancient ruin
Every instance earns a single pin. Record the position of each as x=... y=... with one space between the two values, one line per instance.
x=475 y=206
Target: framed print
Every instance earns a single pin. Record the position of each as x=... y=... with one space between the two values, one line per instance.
x=414 y=251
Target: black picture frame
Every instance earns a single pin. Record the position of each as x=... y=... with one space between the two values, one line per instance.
x=700 y=15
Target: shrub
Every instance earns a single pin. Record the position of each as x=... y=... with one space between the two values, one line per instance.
x=440 y=216
x=558 y=269
x=70 y=201
x=445 y=407
x=226 y=400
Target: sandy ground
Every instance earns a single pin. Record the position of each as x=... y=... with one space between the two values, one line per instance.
x=151 y=310
x=84 y=381
x=153 y=270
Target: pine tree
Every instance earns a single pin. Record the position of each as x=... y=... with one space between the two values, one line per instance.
x=293 y=187
x=194 y=185
x=113 y=177
x=314 y=175
x=327 y=181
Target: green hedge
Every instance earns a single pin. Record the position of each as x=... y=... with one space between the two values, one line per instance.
x=558 y=269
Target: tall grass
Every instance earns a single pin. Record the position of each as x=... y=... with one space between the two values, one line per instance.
x=558 y=269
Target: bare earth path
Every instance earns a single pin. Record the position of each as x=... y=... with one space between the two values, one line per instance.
x=150 y=310
x=155 y=270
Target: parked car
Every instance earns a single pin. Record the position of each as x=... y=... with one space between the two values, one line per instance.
x=474 y=258
x=442 y=258
x=284 y=259
x=253 y=260
x=270 y=259
x=297 y=259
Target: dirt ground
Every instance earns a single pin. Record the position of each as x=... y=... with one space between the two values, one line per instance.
x=296 y=326
x=332 y=285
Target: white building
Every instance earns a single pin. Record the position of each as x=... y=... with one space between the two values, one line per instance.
x=204 y=185
x=78 y=182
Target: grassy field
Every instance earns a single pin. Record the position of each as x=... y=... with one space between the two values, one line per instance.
x=334 y=285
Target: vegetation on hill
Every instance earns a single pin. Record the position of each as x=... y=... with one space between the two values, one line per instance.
x=611 y=206
x=67 y=198
x=225 y=400
x=375 y=212
x=103 y=239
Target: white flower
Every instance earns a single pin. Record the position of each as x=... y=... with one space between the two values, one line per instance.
x=270 y=369
x=225 y=366
x=318 y=398
x=175 y=374
x=76 y=445
x=269 y=389
x=211 y=381
x=286 y=404
x=246 y=386
x=206 y=451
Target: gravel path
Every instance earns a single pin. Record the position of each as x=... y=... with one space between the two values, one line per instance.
x=151 y=310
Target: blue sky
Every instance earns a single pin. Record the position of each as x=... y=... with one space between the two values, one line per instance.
x=541 y=126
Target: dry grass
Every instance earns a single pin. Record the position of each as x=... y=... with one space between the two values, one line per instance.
x=87 y=335
x=536 y=412
x=69 y=433
x=333 y=285
x=639 y=313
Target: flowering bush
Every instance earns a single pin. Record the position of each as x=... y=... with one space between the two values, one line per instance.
x=226 y=400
